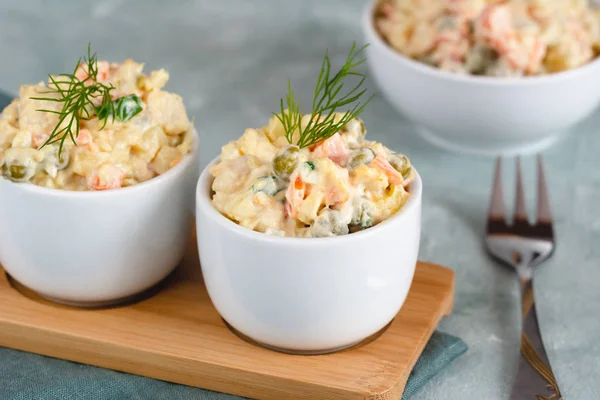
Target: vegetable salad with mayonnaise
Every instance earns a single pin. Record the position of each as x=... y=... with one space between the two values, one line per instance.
x=503 y=38
x=341 y=185
x=148 y=134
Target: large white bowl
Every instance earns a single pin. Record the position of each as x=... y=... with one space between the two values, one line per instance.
x=97 y=248
x=307 y=295
x=484 y=115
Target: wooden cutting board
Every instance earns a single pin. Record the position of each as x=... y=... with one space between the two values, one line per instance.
x=178 y=336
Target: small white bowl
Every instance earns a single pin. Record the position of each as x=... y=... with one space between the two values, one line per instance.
x=97 y=248
x=307 y=295
x=483 y=115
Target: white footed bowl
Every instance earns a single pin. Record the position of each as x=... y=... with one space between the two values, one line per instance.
x=483 y=115
x=307 y=295
x=97 y=248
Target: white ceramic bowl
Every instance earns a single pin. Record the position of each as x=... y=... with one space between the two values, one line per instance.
x=483 y=115
x=97 y=248
x=307 y=295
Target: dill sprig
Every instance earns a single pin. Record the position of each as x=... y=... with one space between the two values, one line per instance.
x=78 y=98
x=327 y=99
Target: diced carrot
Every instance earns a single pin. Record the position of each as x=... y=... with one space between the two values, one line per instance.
x=334 y=148
x=106 y=177
x=536 y=55
x=496 y=20
x=85 y=139
x=295 y=193
x=337 y=195
x=381 y=163
x=82 y=72
x=39 y=138
x=103 y=70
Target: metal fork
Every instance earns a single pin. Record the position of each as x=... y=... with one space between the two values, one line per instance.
x=524 y=246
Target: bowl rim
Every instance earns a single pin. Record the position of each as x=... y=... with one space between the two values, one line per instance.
x=205 y=209
x=170 y=174
x=373 y=38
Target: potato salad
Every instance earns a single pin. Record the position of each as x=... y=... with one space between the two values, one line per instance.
x=339 y=186
x=502 y=38
x=131 y=133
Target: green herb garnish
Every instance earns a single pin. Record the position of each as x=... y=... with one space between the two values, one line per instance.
x=124 y=108
x=79 y=99
x=327 y=99
x=310 y=165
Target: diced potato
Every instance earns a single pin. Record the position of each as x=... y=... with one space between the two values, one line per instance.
x=187 y=144
x=152 y=140
x=168 y=110
x=22 y=139
x=129 y=136
x=156 y=81
x=140 y=170
x=249 y=213
x=10 y=114
x=29 y=117
x=308 y=210
x=334 y=179
x=274 y=129
x=84 y=161
x=7 y=133
x=166 y=158
x=251 y=142
x=391 y=202
x=232 y=175
x=373 y=180
x=126 y=76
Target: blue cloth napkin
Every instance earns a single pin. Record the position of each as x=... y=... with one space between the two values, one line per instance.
x=5 y=99
x=26 y=376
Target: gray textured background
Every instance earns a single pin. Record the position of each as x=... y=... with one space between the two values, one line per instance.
x=231 y=59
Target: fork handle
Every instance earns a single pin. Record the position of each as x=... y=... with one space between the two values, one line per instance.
x=535 y=379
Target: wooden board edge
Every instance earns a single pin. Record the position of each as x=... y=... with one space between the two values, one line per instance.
x=160 y=366
x=449 y=303
x=57 y=345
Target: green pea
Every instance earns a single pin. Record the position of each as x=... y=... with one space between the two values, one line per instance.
x=363 y=130
x=364 y=155
x=401 y=163
x=362 y=214
x=285 y=162
x=366 y=223
x=54 y=161
x=62 y=160
x=328 y=223
x=266 y=184
x=17 y=171
x=356 y=124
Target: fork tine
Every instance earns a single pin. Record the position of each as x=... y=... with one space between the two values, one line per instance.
x=496 y=210
x=543 y=202
x=520 y=209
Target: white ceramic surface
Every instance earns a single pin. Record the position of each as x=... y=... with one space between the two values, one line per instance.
x=307 y=294
x=92 y=248
x=484 y=115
